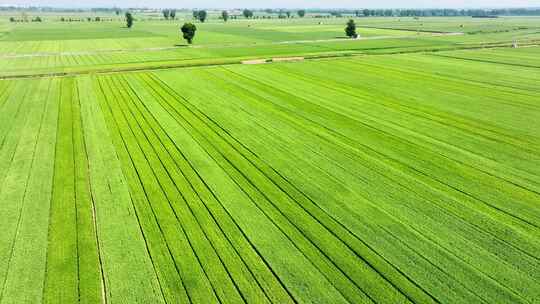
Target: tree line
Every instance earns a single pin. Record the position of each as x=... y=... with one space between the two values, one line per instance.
x=249 y=14
x=169 y=14
x=202 y=15
x=25 y=19
x=444 y=12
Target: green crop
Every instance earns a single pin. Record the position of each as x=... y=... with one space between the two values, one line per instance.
x=402 y=169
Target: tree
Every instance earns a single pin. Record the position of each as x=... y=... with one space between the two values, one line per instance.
x=117 y=12
x=129 y=20
x=12 y=19
x=202 y=16
x=166 y=13
x=301 y=13
x=366 y=12
x=172 y=14
x=350 y=30
x=288 y=14
x=195 y=14
x=188 y=31
x=225 y=15
x=247 y=13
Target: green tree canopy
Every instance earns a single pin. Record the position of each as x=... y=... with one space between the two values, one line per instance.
x=166 y=13
x=247 y=13
x=188 y=31
x=350 y=30
x=129 y=19
x=201 y=15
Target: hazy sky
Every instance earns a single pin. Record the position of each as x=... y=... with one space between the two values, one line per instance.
x=278 y=3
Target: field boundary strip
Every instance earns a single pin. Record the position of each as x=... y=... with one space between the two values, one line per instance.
x=490 y=61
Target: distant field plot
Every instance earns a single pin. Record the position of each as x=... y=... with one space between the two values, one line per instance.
x=95 y=60
x=527 y=56
x=120 y=59
x=73 y=31
x=43 y=48
x=407 y=178
x=448 y=66
x=87 y=36
x=454 y=24
x=51 y=37
x=267 y=31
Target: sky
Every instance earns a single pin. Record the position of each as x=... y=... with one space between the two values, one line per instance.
x=279 y=3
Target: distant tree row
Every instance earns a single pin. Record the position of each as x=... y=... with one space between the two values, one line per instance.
x=436 y=12
x=248 y=14
x=533 y=11
x=88 y=19
x=227 y=16
x=128 y=17
x=413 y=13
x=169 y=14
x=25 y=19
x=257 y=16
x=442 y=12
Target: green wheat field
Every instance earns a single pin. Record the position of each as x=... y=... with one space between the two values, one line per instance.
x=401 y=167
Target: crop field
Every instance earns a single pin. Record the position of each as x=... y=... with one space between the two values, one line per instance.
x=126 y=59
x=324 y=187
x=526 y=57
x=27 y=38
x=121 y=59
x=30 y=49
x=51 y=37
x=454 y=24
x=399 y=168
